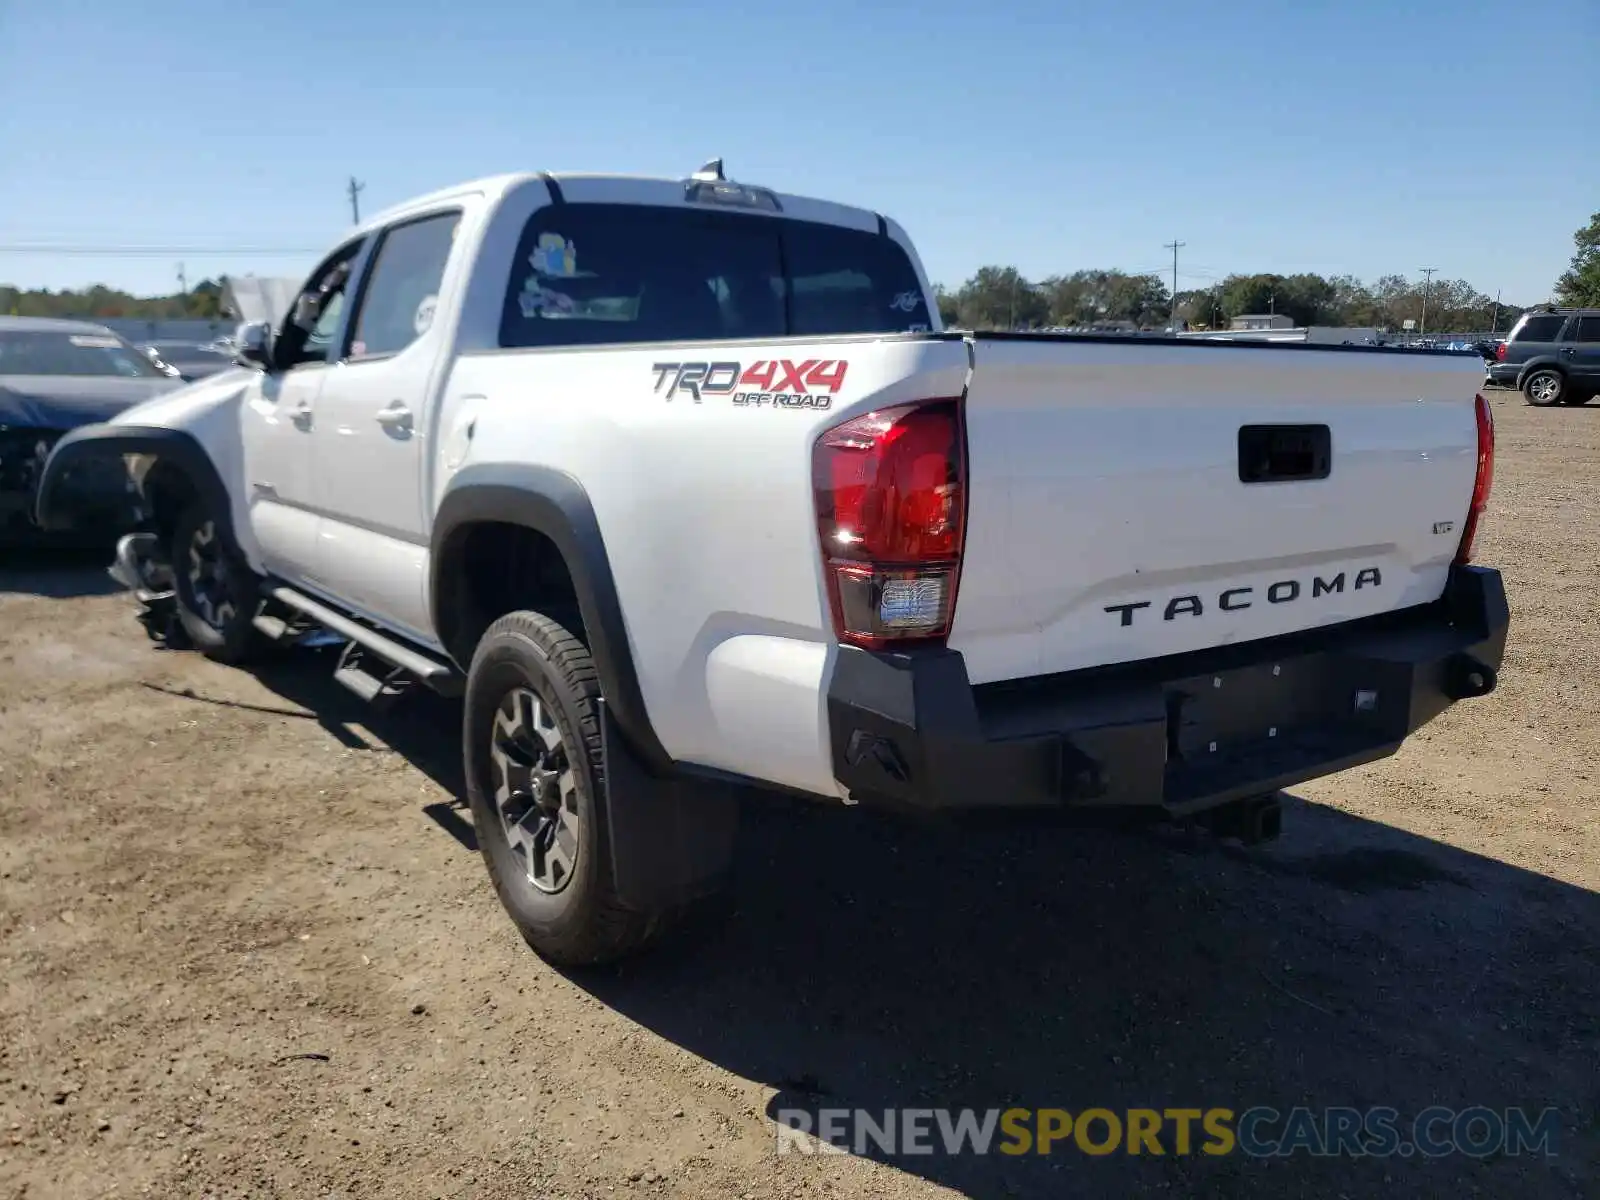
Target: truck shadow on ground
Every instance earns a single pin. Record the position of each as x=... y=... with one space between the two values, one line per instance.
x=864 y=962
x=56 y=573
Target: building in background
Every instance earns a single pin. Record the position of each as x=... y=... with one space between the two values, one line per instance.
x=1317 y=335
x=1260 y=321
x=258 y=298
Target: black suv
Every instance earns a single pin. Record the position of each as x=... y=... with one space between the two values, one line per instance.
x=1552 y=355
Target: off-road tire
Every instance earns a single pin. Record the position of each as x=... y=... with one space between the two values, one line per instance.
x=219 y=626
x=582 y=923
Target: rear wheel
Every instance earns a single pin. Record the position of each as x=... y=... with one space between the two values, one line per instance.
x=1544 y=387
x=216 y=591
x=534 y=772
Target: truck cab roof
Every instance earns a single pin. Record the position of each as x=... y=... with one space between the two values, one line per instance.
x=604 y=188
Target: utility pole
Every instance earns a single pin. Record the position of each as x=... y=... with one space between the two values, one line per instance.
x=1494 y=324
x=1427 y=282
x=183 y=281
x=1174 y=246
x=354 y=189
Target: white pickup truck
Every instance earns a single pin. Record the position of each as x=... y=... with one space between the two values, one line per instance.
x=681 y=483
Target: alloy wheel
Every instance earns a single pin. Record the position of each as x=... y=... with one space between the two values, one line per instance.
x=536 y=789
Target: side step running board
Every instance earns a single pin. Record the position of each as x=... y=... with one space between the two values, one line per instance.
x=437 y=674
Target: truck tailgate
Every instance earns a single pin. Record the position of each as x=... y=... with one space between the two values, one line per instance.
x=1109 y=519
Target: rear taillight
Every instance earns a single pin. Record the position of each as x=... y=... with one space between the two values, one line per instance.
x=890 y=492
x=1500 y=352
x=1482 y=482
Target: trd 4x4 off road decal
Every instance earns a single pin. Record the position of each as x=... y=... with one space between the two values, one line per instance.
x=779 y=382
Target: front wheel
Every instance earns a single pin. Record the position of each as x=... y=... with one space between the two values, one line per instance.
x=1544 y=387
x=217 y=593
x=534 y=772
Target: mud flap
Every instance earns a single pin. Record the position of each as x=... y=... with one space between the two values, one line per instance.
x=671 y=839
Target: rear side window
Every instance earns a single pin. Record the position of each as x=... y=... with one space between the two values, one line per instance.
x=1588 y=329
x=402 y=287
x=1545 y=328
x=596 y=274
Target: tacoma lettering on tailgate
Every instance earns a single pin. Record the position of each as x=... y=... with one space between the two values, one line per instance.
x=1284 y=591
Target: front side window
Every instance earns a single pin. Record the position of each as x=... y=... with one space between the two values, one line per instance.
x=313 y=322
x=402 y=289
x=1588 y=329
x=594 y=274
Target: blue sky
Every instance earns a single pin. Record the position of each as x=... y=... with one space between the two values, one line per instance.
x=1341 y=137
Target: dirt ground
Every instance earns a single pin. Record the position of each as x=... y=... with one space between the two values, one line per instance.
x=246 y=948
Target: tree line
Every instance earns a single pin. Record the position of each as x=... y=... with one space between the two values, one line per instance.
x=202 y=302
x=1001 y=298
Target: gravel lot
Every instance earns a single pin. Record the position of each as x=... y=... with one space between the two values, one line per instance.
x=246 y=949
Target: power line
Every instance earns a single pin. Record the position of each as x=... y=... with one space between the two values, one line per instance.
x=1174 y=246
x=158 y=251
x=1427 y=281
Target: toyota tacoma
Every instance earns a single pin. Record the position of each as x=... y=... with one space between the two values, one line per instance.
x=681 y=484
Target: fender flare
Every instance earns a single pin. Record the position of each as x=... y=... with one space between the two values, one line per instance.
x=554 y=504
x=1539 y=364
x=115 y=440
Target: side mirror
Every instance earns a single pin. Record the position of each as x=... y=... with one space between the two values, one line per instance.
x=252 y=344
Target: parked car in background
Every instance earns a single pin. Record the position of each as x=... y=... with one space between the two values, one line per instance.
x=190 y=360
x=1552 y=356
x=154 y=355
x=56 y=376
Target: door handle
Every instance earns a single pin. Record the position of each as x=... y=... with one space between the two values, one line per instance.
x=396 y=417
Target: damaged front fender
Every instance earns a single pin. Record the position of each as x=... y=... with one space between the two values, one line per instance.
x=74 y=482
x=192 y=434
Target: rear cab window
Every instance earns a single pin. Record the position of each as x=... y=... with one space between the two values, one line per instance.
x=599 y=274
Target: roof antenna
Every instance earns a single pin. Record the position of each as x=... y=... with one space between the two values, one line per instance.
x=711 y=172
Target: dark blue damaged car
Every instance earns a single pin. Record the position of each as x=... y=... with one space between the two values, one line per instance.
x=55 y=376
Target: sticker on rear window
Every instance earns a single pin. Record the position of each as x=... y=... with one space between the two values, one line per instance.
x=906 y=302
x=554 y=256
x=95 y=341
x=538 y=301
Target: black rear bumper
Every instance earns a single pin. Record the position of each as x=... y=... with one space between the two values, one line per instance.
x=1184 y=733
